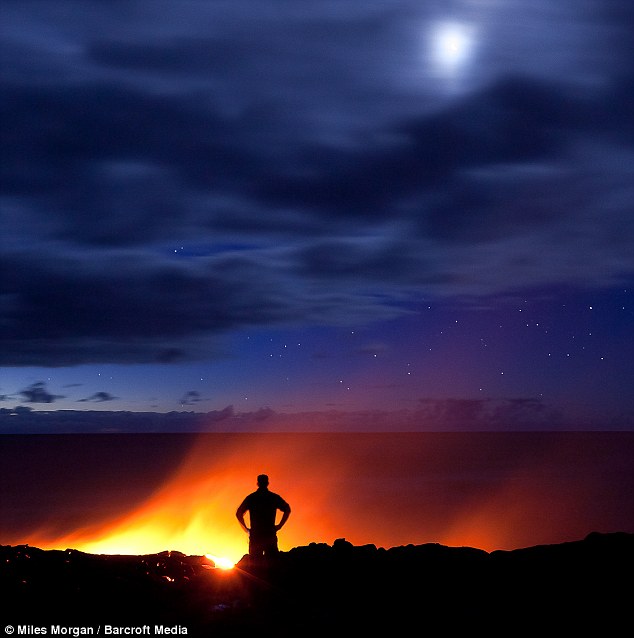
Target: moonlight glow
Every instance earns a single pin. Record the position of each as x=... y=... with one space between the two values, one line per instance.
x=452 y=45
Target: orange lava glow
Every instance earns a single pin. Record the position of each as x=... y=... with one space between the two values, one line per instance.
x=382 y=489
x=194 y=511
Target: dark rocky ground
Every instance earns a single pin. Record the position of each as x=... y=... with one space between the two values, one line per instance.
x=321 y=590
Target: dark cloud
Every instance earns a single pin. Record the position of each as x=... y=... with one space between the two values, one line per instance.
x=99 y=397
x=109 y=164
x=37 y=393
x=25 y=420
x=308 y=162
x=190 y=398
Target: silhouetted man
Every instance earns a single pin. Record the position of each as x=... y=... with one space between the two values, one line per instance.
x=262 y=506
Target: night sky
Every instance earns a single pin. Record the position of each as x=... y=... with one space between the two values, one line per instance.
x=312 y=206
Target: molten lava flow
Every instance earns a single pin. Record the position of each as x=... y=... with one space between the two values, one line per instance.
x=221 y=562
x=194 y=511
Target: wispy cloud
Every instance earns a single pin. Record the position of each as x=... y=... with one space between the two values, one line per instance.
x=99 y=397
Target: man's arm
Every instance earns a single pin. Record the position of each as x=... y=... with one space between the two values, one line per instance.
x=286 y=512
x=240 y=516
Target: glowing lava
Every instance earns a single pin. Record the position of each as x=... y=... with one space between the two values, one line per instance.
x=483 y=490
x=194 y=511
x=221 y=562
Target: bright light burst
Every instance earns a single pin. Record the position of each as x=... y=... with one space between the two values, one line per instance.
x=221 y=562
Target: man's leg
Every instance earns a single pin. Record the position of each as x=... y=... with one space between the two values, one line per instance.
x=271 y=549
x=256 y=547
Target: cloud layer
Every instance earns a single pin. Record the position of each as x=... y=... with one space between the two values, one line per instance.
x=431 y=415
x=170 y=177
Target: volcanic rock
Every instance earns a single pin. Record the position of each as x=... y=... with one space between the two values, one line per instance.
x=326 y=590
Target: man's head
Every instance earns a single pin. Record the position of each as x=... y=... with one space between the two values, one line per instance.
x=263 y=480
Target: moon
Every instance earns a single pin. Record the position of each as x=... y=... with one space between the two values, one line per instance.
x=451 y=47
